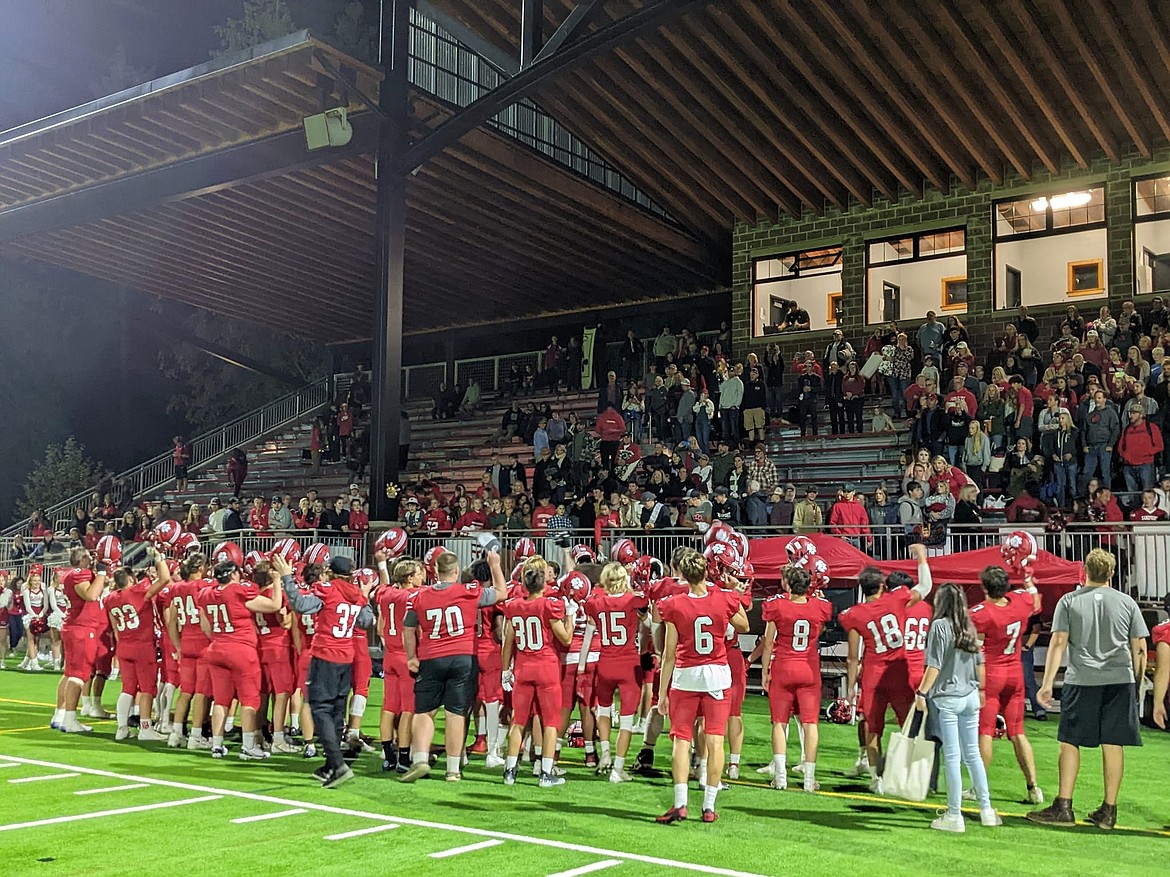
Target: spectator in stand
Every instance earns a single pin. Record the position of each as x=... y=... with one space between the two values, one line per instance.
x=540 y=442
x=783 y=508
x=232 y=521
x=344 y=427
x=1148 y=510
x=853 y=396
x=763 y=470
x=1105 y=326
x=1022 y=469
x=835 y=399
x=359 y=521
x=795 y=319
x=723 y=507
x=1060 y=449
x=755 y=400
x=1027 y=508
x=697 y=518
x=193 y=520
x=509 y=517
x=304 y=518
x=704 y=413
x=849 y=519
x=654 y=516
x=664 y=345
x=896 y=365
x=335 y=521
x=807 y=516
x=630 y=356
x=633 y=410
x=557 y=429
x=808 y=389
x=1100 y=431
x=976 y=457
x=1019 y=401
x=774 y=378
x=609 y=429
x=473 y=519
x=1148 y=406
x=509 y=424
x=910 y=512
x=258 y=517
x=839 y=351
x=472 y=398
x=435 y=520
x=956 y=425
x=1139 y=446
x=658 y=402
x=929 y=426
x=930 y=336
x=280 y=519
x=182 y=459
x=730 y=402
x=684 y=415
x=881 y=421
x=237 y=470
x=609 y=395
x=1026 y=325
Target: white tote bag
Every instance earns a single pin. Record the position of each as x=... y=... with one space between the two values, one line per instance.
x=909 y=760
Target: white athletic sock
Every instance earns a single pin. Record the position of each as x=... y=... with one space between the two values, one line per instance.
x=779 y=764
x=418 y=757
x=702 y=771
x=58 y=715
x=590 y=748
x=546 y=765
x=619 y=762
x=229 y=724
x=537 y=751
x=144 y=725
x=800 y=734
x=733 y=758
x=810 y=773
x=453 y=763
x=680 y=794
x=249 y=739
x=492 y=724
x=296 y=721
x=70 y=716
x=709 y=793
x=216 y=741
x=559 y=744
x=277 y=737
x=604 y=750
x=511 y=762
x=122 y=709
x=86 y=701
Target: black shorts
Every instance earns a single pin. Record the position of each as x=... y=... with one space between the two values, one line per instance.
x=445 y=682
x=181 y=472
x=1092 y=715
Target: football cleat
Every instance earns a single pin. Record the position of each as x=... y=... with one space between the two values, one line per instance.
x=454 y=776
x=591 y=759
x=779 y=782
x=219 y=752
x=310 y=750
x=619 y=776
x=493 y=761
x=733 y=771
x=510 y=776
x=877 y=786
x=195 y=742
x=549 y=780
x=151 y=734
x=122 y=734
x=74 y=727
x=674 y=814
x=860 y=768
x=710 y=816
x=253 y=754
x=768 y=769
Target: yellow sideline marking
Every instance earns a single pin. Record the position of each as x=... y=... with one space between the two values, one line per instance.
x=27 y=702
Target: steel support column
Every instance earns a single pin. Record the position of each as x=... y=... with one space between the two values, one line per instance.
x=390 y=235
x=531 y=30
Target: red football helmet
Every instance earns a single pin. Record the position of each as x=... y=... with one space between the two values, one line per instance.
x=575 y=585
x=818 y=571
x=289 y=549
x=799 y=549
x=1018 y=549
x=165 y=534
x=624 y=551
x=524 y=549
x=747 y=572
x=583 y=554
x=185 y=544
x=1000 y=727
x=430 y=557
x=641 y=573
x=715 y=533
x=365 y=577
x=108 y=550
x=229 y=551
x=251 y=560
x=840 y=712
x=517 y=571
x=393 y=542
x=723 y=557
x=173 y=567
x=317 y=553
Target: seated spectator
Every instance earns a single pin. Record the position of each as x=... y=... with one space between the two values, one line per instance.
x=1022 y=467
x=509 y=424
x=697 y=516
x=436 y=521
x=486 y=490
x=795 y=319
x=1149 y=510
x=280 y=519
x=561 y=524
x=541 y=515
x=508 y=518
x=1026 y=508
x=472 y=399
x=654 y=515
x=881 y=421
x=473 y=520
x=605 y=523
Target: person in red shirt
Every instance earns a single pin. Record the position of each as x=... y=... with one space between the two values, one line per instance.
x=258 y=518
x=276 y=658
x=541 y=514
x=339 y=607
x=474 y=520
x=490 y=693
x=226 y=617
x=1002 y=623
x=359 y=522
x=1160 y=638
x=879 y=622
x=616 y=613
x=436 y=521
x=792 y=669
x=533 y=626
x=131 y=612
x=1149 y=510
x=849 y=519
x=304 y=628
x=83 y=625
x=696 y=678
x=188 y=640
x=439 y=640
x=391 y=601
x=1140 y=444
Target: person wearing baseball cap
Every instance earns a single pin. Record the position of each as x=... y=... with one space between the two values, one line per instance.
x=653 y=515
x=807 y=516
x=849 y=519
x=697 y=518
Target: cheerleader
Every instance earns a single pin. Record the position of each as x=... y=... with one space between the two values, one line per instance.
x=6 y=600
x=36 y=614
x=58 y=606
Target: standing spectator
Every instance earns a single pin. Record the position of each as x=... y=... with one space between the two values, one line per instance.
x=956 y=424
x=835 y=397
x=730 y=402
x=232 y=522
x=930 y=336
x=1102 y=633
x=609 y=428
x=630 y=357
x=1020 y=400
x=849 y=519
x=1140 y=444
x=258 y=517
x=540 y=442
x=237 y=471
x=633 y=409
x=704 y=414
x=897 y=360
x=977 y=454
x=557 y=430
x=838 y=350
x=954 y=680
x=910 y=511
x=808 y=386
x=1027 y=326
x=316 y=436
x=658 y=401
x=609 y=395
x=807 y=516
x=344 y=427
x=763 y=470
x=1100 y=431
x=280 y=519
x=783 y=508
x=853 y=395
x=774 y=377
x=755 y=400
x=182 y=460
x=1060 y=449
x=664 y=345
x=684 y=422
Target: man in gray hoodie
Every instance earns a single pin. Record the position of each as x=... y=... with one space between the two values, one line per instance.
x=1100 y=430
x=730 y=401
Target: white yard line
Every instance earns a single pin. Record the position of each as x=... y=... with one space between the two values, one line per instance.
x=266 y=816
x=470 y=848
x=9 y=764
x=105 y=789
x=48 y=776
x=142 y=808
x=348 y=834
x=587 y=869
x=381 y=817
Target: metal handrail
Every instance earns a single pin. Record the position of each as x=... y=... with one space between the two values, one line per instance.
x=206 y=449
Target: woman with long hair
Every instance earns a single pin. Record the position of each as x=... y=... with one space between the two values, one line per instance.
x=954 y=681
x=1136 y=366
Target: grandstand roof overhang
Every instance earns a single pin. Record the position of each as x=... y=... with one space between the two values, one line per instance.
x=198 y=187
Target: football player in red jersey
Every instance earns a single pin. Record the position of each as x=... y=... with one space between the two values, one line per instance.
x=276 y=658
x=397 y=685
x=338 y=607
x=879 y=622
x=303 y=630
x=696 y=677
x=439 y=639
x=1160 y=637
x=227 y=616
x=533 y=626
x=1002 y=623
x=490 y=692
x=186 y=635
x=131 y=613
x=791 y=664
x=616 y=613
x=84 y=622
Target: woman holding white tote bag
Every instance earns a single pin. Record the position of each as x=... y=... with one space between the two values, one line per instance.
x=954 y=681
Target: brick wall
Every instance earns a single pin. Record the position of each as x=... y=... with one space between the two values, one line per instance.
x=852 y=227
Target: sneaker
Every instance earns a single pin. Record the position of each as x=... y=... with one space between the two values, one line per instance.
x=768 y=769
x=989 y=818
x=416 y=772
x=322 y=773
x=164 y=728
x=591 y=759
x=343 y=774
x=454 y=776
x=619 y=776
x=122 y=734
x=198 y=743
x=798 y=768
x=1104 y=817
x=674 y=814
x=34 y=667
x=645 y=759
x=219 y=752
x=1035 y=795
x=510 y=776
x=75 y=727
x=152 y=735
x=97 y=712
x=948 y=821
x=253 y=754
x=969 y=795
x=493 y=761
x=877 y=786
x=1041 y=716
x=403 y=763
x=285 y=748
x=860 y=768
x=779 y=782
x=733 y=771
x=548 y=780
x=479 y=747
x=1059 y=813
x=310 y=751
x=710 y=815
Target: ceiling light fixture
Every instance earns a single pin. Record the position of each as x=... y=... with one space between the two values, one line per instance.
x=1040 y=205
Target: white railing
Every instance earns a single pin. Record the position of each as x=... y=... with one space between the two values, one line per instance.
x=423 y=381
x=206 y=449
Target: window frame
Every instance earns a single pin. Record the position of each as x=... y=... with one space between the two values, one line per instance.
x=1049 y=228
x=943 y=294
x=1098 y=291
x=1156 y=216
x=916 y=239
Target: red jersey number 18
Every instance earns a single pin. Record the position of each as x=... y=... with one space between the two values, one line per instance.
x=888 y=637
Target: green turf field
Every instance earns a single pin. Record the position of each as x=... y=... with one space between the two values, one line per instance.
x=89 y=805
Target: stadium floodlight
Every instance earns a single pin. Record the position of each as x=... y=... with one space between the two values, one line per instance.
x=330 y=128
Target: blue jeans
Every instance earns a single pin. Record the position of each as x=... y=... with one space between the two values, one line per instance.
x=1066 y=480
x=958 y=724
x=1097 y=457
x=898 y=388
x=775 y=401
x=634 y=419
x=682 y=430
x=955 y=456
x=1031 y=686
x=703 y=431
x=730 y=418
x=1138 y=477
